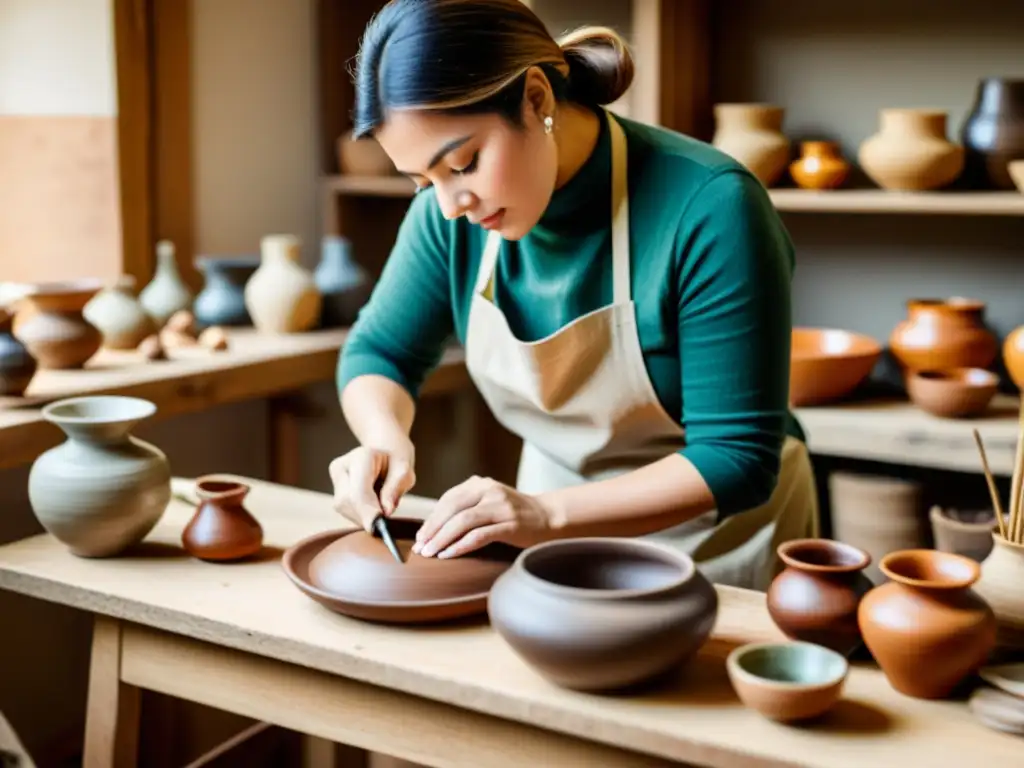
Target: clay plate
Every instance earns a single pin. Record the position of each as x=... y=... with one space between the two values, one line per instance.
x=354 y=574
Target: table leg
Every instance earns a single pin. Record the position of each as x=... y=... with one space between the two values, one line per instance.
x=112 y=713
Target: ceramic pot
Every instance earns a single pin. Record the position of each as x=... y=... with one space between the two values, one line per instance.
x=963 y=532
x=17 y=366
x=222 y=299
x=282 y=296
x=1013 y=355
x=103 y=489
x=926 y=628
x=910 y=152
x=993 y=132
x=1002 y=586
x=955 y=393
x=119 y=316
x=52 y=326
x=941 y=334
x=167 y=292
x=600 y=614
x=752 y=134
x=820 y=166
x=815 y=598
x=344 y=285
x=364 y=157
x=222 y=529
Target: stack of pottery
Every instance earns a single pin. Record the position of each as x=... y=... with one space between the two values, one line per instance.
x=102 y=490
x=993 y=133
x=820 y=166
x=911 y=152
x=344 y=285
x=17 y=366
x=282 y=296
x=167 y=292
x=752 y=134
x=222 y=299
x=119 y=316
x=601 y=614
x=51 y=324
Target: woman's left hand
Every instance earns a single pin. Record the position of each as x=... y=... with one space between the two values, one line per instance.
x=478 y=512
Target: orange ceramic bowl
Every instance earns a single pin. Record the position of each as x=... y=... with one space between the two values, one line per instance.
x=953 y=394
x=827 y=364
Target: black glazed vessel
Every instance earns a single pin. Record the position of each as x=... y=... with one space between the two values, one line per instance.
x=993 y=133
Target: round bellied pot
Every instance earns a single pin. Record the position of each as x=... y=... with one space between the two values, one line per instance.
x=926 y=628
x=52 y=327
x=816 y=596
x=119 y=316
x=1013 y=355
x=942 y=334
x=910 y=152
x=222 y=299
x=17 y=366
x=281 y=296
x=1002 y=586
x=752 y=134
x=102 y=490
x=993 y=132
x=222 y=529
x=600 y=614
x=820 y=166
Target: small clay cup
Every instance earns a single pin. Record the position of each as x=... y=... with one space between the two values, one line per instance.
x=953 y=394
x=599 y=614
x=815 y=598
x=222 y=529
x=787 y=681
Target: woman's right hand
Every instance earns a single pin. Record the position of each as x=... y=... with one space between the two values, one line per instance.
x=369 y=482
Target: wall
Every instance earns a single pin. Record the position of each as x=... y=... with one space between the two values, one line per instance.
x=59 y=213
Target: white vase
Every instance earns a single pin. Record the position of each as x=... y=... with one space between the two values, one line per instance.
x=282 y=296
x=167 y=292
x=119 y=316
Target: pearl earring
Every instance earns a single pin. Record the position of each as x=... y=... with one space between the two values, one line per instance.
x=549 y=124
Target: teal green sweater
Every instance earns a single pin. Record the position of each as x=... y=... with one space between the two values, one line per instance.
x=711 y=274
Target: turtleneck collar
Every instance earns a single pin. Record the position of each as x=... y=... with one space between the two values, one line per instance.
x=578 y=203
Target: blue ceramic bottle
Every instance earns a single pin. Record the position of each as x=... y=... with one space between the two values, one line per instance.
x=222 y=300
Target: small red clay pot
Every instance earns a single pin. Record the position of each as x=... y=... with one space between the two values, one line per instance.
x=222 y=528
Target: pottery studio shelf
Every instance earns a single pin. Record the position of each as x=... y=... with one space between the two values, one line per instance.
x=255 y=366
x=790 y=200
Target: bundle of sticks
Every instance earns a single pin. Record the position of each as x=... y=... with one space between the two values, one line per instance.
x=1011 y=524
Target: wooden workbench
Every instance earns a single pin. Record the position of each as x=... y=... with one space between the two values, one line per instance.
x=194 y=379
x=242 y=638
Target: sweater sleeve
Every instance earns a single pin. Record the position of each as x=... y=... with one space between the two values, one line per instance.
x=401 y=331
x=735 y=327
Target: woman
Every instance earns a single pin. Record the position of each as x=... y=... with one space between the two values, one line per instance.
x=622 y=292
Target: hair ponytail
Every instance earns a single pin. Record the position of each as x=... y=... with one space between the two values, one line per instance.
x=600 y=65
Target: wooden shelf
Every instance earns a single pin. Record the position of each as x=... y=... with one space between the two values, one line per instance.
x=373 y=186
x=897 y=432
x=882 y=201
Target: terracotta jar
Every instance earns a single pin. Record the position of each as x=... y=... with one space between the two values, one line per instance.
x=752 y=134
x=940 y=334
x=281 y=296
x=599 y=614
x=911 y=152
x=1002 y=586
x=1013 y=355
x=927 y=629
x=51 y=324
x=993 y=132
x=815 y=598
x=222 y=528
x=820 y=166
x=17 y=366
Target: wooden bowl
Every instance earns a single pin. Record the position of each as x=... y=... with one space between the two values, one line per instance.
x=953 y=394
x=787 y=681
x=1016 y=170
x=827 y=364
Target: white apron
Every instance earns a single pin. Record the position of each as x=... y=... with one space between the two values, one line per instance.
x=583 y=404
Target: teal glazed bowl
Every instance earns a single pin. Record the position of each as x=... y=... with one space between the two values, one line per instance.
x=787 y=681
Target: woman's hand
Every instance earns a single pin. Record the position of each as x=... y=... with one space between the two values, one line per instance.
x=369 y=482
x=478 y=512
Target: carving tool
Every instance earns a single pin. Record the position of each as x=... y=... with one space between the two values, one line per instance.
x=380 y=525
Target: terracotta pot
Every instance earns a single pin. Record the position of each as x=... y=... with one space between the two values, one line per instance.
x=820 y=166
x=599 y=614
x=282 y=296
x=815 y=598
x=752 y=134
x=940 y=334
x=828 y=364
x=222 y=528
x=364 y=157
x=1013 y=355
x=963 y=532
x=17 y=366
x=952 y=394
x=910 y=152
x=927 y=629
x=52 y=325
x=993 y=132
x=1002 y=586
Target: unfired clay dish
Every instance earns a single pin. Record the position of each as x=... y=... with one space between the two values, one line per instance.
x=353 y=573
